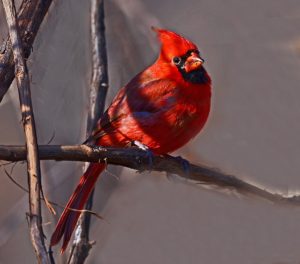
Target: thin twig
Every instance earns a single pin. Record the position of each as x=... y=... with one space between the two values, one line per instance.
x=99 y=85
x=9 y=175
x=139 y=160
x=30 y=16
x=33 y=166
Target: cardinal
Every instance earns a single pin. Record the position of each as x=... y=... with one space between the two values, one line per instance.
x=160 y=109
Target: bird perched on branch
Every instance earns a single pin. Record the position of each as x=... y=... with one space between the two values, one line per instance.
x=161 y=108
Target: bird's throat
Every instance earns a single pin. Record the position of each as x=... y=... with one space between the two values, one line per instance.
x=197 y=77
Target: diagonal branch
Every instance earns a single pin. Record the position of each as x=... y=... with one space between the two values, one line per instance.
x=139 y=160
x=30 y=17
x=99 y=85
x=33 y=165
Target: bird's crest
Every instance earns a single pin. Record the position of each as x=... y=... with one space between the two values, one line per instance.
x=173 y=44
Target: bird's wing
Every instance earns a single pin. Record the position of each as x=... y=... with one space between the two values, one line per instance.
x=138 y=101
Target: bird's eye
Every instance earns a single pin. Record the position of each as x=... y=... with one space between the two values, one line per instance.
x=176 y=60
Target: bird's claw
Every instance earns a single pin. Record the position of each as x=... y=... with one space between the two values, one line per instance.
x=145 y=148
x=184 y=163
x=140 y=145
x=97 y=148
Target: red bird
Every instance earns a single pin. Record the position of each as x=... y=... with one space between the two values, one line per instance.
x=163 y=107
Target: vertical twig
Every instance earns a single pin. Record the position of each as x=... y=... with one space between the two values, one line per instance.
x=98 y=91
x=33 y=166
x=99 y=81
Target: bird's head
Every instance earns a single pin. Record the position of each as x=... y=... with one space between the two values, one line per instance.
x=181 y=53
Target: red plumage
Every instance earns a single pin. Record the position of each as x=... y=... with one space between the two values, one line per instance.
x=163 y=107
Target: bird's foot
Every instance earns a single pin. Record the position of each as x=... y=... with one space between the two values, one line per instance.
x=184 y=163
x=97 y=148
x=140 y=145
x=145 y=148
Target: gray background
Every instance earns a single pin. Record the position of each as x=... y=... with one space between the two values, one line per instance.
x=252 y=49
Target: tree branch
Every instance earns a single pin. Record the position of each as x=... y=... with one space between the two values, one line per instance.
x=99 y=82
x=99 y=85
x=30 y=17
x=33 y=166
x=139 y=160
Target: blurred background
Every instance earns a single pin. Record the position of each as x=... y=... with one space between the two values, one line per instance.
x=252 y=52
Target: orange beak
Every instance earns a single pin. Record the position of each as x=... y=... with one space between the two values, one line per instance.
x=193 y=62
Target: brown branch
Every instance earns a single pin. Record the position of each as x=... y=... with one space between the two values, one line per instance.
x=33 y=166
x=139 y=160
x=30 y=17
x=99 y=82
x=99 y=85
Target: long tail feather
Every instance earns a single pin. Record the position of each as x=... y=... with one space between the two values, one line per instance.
x=68 y=219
